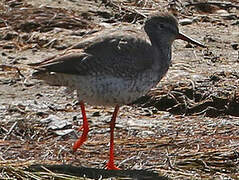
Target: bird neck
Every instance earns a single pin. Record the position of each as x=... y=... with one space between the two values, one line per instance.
x=164 y=49
x=163 y=58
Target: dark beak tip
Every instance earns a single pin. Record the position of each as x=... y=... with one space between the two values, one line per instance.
x=190 y=40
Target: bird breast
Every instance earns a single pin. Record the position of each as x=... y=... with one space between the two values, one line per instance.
x=109 y=90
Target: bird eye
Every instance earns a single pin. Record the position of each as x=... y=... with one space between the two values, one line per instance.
x=161 y=26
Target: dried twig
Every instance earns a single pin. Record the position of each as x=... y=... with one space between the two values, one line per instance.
x=221 y=4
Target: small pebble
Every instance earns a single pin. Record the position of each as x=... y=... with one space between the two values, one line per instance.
x=10 y=36
x=64 y=132
x=147 y=133
x=235 y=23
x=229 y=16
x=221 y=11
x=8 y=46
x=4 y=54
x=96 y=114
x=11 y=57
x=235 y=46
x=185 y=21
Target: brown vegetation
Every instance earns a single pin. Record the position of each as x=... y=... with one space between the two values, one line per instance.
x=185 y=128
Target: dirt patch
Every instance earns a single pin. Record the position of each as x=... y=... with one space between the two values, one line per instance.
x=186 y=127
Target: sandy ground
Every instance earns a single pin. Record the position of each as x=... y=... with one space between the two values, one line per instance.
x=185 y=128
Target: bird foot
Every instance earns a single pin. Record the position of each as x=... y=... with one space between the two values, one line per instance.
x=82 y=139
x=111 y=166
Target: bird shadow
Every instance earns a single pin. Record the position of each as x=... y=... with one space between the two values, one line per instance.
x=96 y=173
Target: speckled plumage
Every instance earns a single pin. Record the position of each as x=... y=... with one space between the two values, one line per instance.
x=115 y=69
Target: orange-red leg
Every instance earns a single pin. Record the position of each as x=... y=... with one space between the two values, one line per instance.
x=110 y=164
x=85 y=128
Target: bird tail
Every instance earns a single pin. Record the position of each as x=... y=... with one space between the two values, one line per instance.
x=51 y=78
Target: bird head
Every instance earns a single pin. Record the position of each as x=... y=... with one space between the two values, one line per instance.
x=163 y=28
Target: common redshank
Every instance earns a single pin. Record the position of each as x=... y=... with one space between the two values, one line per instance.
x=115 y=69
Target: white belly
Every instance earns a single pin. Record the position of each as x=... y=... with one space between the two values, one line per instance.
x=109 y=91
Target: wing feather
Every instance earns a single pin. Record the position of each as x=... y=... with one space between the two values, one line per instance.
x=115 y=55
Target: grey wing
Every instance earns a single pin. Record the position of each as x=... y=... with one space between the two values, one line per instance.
x=123 y=56
x=68 y=64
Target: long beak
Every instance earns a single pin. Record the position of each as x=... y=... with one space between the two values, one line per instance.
x=188 y=39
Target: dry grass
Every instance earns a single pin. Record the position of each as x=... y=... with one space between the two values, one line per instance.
x=198 y=139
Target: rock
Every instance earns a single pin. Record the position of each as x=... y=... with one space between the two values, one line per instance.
x=64 y=132
x=185 y=21
x=225 y=15
x=9 y=46
x=235 y=46
x=147 y=133
x=221 y=11
x=96 y=114
x=10 y=35
x=235 y=23
x=55 y=122
x=229 y=16
x=54 y=125
x=49 y=119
